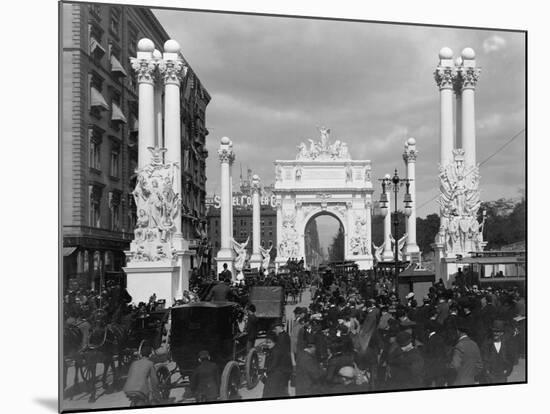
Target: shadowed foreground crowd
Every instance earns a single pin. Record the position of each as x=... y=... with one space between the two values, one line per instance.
x=355 y=342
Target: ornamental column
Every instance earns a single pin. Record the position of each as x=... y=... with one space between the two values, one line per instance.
x=368 y=216
x=469 y=76
x=387 y=253
x=256 y=257
x=173 y=70
x=412 y=250
x=444 y=75
x=232 y=159
x=225 y=254
x=144 y=66
x=159 y=137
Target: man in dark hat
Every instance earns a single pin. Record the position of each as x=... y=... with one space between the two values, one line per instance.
x=406 y=365
x=495 y=352
x=435 y=355
x=221 y=292
x=204 y=380
x=251 y=327
x=283 y=338
x=309 y=373
x=225 y=273
x=278 y=368
x=466 y=358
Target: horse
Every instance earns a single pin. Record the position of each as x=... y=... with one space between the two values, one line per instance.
x=107 y=339
x=72 y=344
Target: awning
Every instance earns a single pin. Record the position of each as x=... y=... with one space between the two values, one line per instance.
x=98 y=99
x=116 y=66
x=117 y=114
x=96 y=48
x=67 y=251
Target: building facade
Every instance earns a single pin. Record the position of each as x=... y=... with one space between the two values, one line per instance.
x=100 y=134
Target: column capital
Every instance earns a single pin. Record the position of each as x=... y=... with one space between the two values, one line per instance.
x=409 y=155
x=444 y=76
x=468 y=77
x=226 y=155
x=145 y=69
x=172 y=71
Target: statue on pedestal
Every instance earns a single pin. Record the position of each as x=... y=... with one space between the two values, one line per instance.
x=266 y=258
x=240 y=251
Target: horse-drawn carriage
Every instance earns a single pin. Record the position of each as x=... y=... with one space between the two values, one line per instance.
x=213 y=327
x=270 y=305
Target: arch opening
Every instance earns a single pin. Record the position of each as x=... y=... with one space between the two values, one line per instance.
x=324 y=240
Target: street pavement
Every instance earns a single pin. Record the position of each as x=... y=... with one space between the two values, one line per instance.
x=79 y=400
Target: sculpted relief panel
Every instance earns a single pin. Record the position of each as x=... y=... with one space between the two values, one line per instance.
x=158 y=208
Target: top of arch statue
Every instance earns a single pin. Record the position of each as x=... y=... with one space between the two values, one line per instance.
x=323 y=150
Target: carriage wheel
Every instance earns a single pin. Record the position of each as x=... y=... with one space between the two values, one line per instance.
x=252 y=369
x=164 y=379
x=230 y=382
x=87 y=371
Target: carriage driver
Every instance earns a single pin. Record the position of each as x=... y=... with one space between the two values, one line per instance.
x=142 y=384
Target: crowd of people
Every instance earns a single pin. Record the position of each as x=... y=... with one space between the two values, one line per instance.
x=356 y=334
x=367 y=339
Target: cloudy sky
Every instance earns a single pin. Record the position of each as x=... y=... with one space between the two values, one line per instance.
x=273 y=80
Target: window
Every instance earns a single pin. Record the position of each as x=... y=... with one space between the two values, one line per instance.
x=114 y=210
x=117 y=116
x=95 y=35
x=97 y=101
x=116 y=66
x=95 y=191
x=95 y=11
x=114 y=23
x=95 y=138
x=115 y=161
x=132 y=39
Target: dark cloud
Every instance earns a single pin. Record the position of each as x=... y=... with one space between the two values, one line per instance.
x=274 y=80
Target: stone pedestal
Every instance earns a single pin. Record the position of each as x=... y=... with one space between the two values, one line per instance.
x=167 y=279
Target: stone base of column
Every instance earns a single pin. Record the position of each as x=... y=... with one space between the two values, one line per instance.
x=255 y=261
x=225 y=256
x=388 y=256
x=440 y=265
x=162 y=278
x=182 y=259
x=412 y=253
x=364 y=262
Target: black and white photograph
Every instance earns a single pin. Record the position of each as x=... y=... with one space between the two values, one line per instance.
x=263 y=206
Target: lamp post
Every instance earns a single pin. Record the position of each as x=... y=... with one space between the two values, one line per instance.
x=394 y=183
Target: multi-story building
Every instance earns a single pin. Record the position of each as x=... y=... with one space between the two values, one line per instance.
x=242 y=218
x=100 y=137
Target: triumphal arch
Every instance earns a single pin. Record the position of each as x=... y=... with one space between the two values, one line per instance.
x=323 y=179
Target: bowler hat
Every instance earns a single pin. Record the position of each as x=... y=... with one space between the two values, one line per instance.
x=498 y=326
x=403 y=338
x=204 y=354
x=278 y=322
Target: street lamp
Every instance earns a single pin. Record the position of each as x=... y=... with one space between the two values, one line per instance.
x=388 y=184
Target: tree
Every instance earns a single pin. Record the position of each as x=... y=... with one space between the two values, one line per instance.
x=426 y=230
